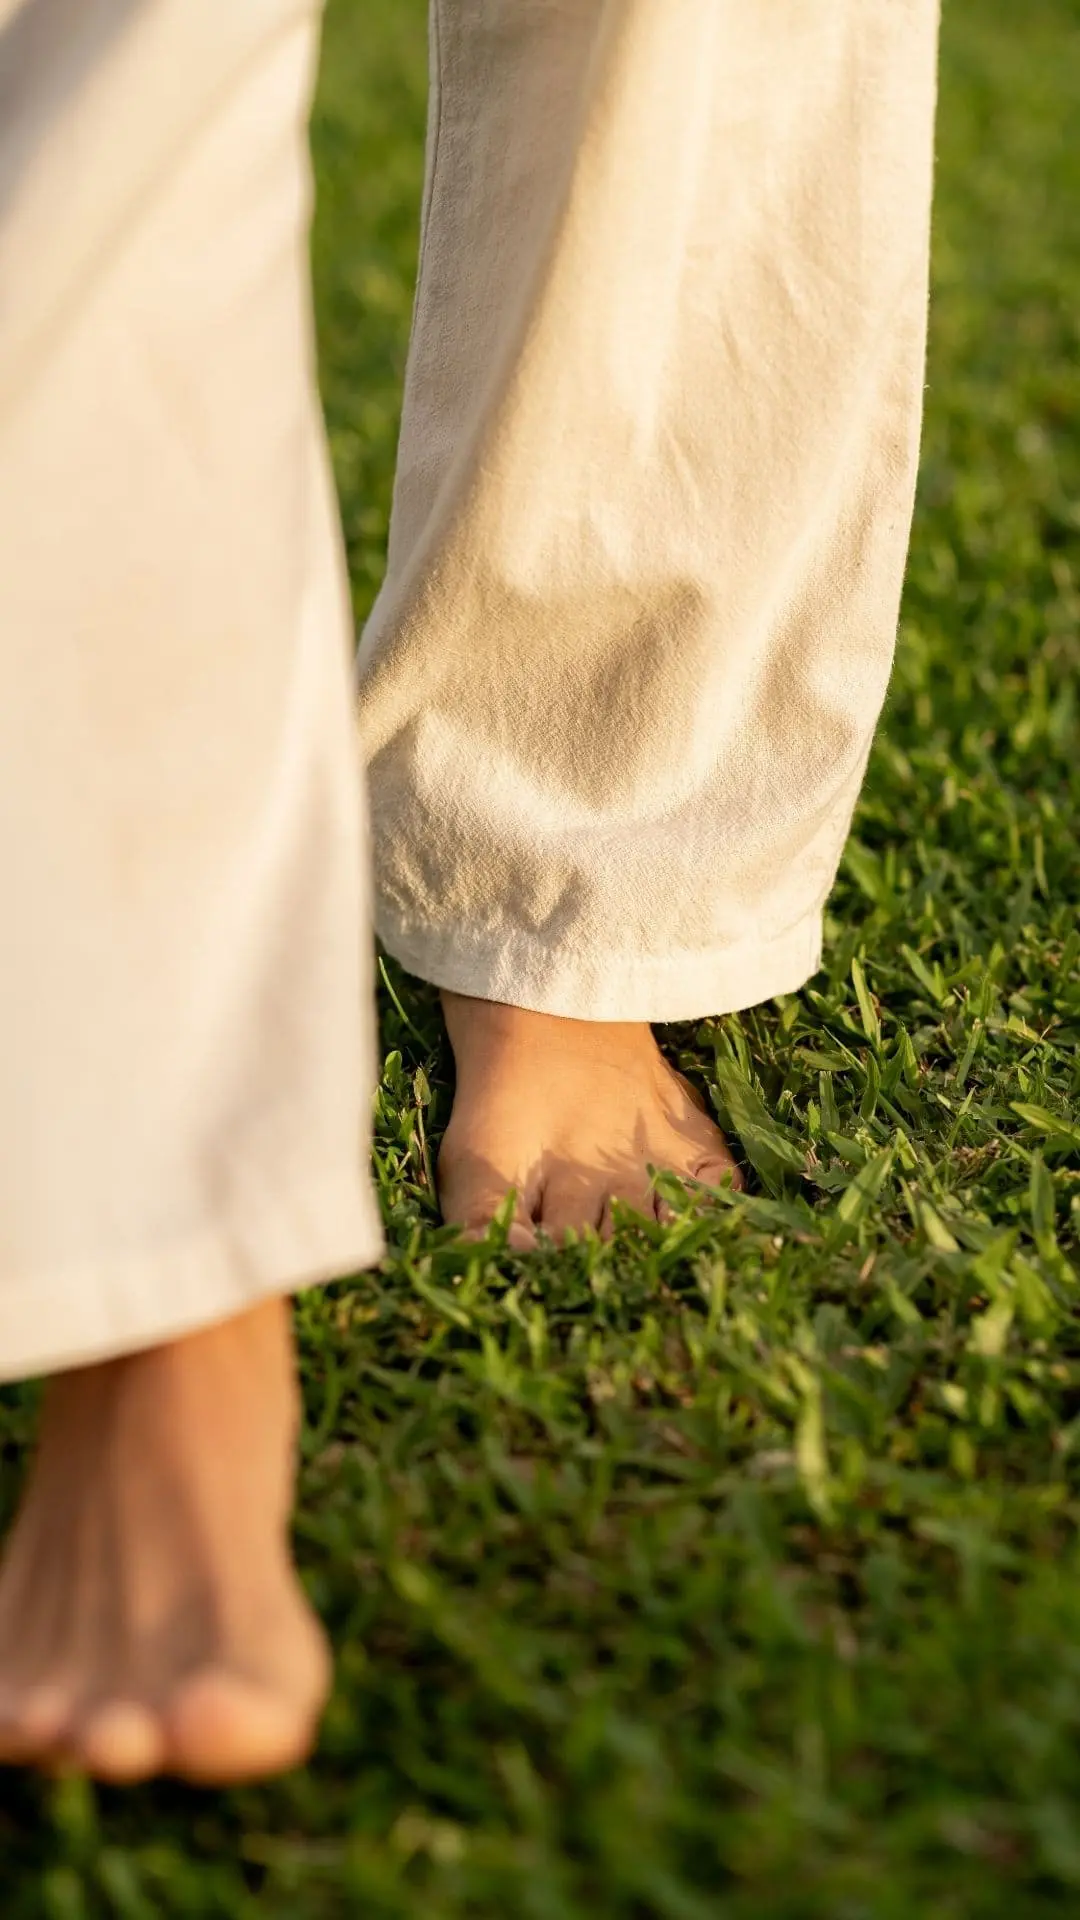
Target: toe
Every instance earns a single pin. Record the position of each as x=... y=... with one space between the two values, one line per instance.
x=636 y=1199
x=573 y=1199
x=472 y=1192
x=718 y=1169
x=119 y=1742
x=32 y=1723
x=222 y=1729
x=520 y=1234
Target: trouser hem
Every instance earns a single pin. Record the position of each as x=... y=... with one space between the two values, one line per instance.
x=520 y=970
x=274 y=1244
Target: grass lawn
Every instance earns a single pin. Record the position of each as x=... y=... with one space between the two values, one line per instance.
x=732 y=1570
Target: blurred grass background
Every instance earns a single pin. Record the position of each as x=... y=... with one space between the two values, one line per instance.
x=731 y=1570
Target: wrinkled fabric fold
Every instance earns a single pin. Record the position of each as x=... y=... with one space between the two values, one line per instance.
x=655 y=486
x=654 y=492
x=186 y=1021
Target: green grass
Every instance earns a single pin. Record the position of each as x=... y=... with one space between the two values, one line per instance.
x=732 y=1570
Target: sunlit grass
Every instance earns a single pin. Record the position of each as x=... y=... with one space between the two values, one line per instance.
x=731 y=1569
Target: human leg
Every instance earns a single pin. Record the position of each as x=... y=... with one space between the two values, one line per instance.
x=187 y=1039
x=654 y=494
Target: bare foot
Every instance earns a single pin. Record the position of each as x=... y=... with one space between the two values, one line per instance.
x=150 y=1618
x=571 y=1114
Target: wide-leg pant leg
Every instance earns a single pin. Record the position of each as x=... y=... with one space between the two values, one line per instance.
x=185 y=1014
x=655 y=488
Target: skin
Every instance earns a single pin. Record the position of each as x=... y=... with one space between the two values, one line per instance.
x=151 y=1620
x=570 y=1114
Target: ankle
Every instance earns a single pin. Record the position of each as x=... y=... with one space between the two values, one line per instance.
x=494 y=1026
x=243 y=1367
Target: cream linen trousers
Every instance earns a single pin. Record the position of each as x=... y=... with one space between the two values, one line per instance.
x=653 y=500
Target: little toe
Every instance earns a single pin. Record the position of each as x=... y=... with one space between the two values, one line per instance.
x=119 y=1742
x=719 y=1170
x=32 y=1723
x=222 y=1729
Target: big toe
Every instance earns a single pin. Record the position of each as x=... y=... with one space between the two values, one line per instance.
x=223 y=1729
